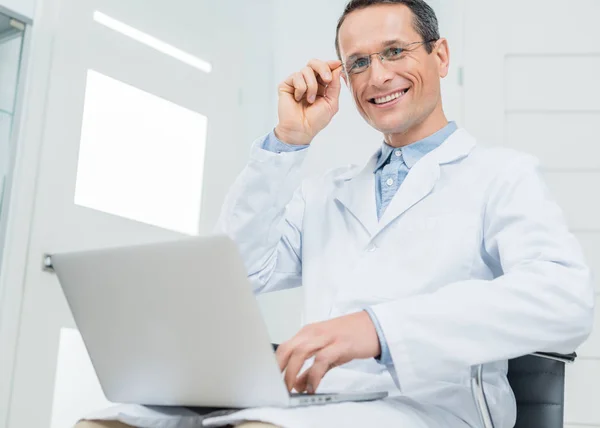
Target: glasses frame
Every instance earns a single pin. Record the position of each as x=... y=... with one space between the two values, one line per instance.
x=381 y=57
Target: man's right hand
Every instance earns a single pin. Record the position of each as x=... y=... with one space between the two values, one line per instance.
x=308 y=100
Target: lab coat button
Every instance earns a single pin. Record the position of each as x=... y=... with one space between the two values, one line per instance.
x=371 y=248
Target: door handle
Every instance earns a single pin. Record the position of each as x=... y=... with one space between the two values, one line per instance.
x=47 y=263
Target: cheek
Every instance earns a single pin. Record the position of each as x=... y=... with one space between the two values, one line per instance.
x=424 y=91
x=417 y=80
x=358 y=101
x=428 y=80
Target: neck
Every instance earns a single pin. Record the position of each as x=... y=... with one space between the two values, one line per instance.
x=432 y=124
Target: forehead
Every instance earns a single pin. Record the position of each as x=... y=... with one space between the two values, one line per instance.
x=364 y=30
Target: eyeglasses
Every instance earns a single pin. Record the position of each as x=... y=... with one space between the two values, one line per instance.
x=390 y=54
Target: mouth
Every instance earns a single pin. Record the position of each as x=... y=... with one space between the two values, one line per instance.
x=389 y=99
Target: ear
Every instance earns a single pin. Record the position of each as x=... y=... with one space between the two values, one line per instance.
x=442 y=53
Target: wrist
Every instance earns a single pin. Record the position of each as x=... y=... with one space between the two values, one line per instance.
x=372 y=335
x=293 y=138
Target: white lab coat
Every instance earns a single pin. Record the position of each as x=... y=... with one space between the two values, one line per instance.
x=471 y=263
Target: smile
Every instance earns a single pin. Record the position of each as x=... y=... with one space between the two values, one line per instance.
x=389 y=98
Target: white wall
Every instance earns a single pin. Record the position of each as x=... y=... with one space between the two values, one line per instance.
x=508 y=104
x=22 y=9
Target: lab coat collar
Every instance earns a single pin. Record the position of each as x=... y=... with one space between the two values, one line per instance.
x=357 y=189
x=356 y=192
x=412 y=153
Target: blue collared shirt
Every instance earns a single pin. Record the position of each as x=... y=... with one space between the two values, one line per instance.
x=393 y=166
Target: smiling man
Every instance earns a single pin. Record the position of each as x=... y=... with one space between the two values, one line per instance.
x=402 y=101
x=433 y=256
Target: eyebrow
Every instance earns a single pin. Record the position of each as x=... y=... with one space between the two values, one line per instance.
x=384 y=44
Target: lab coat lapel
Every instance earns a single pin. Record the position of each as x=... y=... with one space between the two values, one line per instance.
x=357 y=193
x=418 y=183
x=424 y=175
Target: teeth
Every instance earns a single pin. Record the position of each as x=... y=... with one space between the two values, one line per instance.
x=389 y=98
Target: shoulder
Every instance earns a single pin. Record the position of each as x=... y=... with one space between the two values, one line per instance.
x=501 y=171
x=497 y=162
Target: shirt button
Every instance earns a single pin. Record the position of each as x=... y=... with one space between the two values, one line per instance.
x=372 y=248
x=389 y=182
x=398 y=153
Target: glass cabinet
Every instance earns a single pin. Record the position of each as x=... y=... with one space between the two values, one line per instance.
x=11 y=44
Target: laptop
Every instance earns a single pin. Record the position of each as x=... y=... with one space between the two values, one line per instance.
x=176 y=324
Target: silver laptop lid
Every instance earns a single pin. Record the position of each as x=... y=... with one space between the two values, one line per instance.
x=172 y=323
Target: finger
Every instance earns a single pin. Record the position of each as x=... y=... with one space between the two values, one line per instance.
x=287 y=85
x=334 y=64
x=283 y=354
x=302 y=340
x=292 y=354
x=302 y=352
x=322 y=69
x=311 y=83
x=299 y=86
x=302 y=381
x=321 y=91
x=309 y=380
x=335 y=87
x=325 y=360
x=294 y=366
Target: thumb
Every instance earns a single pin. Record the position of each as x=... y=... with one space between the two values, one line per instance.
x=334 y=88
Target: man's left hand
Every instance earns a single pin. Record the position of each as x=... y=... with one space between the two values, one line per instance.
x=332 y=343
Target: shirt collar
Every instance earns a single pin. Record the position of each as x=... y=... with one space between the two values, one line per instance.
x=412 y=153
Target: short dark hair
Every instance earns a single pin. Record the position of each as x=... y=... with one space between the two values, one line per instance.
x=424 y=19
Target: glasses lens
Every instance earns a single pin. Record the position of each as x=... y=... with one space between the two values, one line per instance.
x=359 y=65
x=393 y=53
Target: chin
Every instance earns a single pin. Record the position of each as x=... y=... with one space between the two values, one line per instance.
x=391 y=127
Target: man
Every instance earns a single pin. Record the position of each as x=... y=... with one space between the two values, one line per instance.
x=434 y=256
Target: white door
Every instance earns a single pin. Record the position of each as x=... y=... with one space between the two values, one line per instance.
x=531 y=83
x=143 y=118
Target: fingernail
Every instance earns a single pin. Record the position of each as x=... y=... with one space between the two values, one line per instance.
x=311 y=99
x=327 y=75
x=310 y=389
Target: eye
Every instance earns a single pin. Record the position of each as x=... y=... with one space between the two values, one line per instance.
x=360 y=64
x=392 y=53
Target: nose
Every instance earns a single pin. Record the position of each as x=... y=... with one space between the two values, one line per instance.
x=379 y=72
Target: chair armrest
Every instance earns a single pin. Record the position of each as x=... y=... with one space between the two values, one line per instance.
x=478 y=391
x=563 y=358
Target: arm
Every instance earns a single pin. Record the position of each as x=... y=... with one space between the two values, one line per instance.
x=542 y=302
x=263 y=214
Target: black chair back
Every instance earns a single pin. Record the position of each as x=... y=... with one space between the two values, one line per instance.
x=538 y=385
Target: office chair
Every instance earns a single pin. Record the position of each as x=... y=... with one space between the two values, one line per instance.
x=538 y=382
